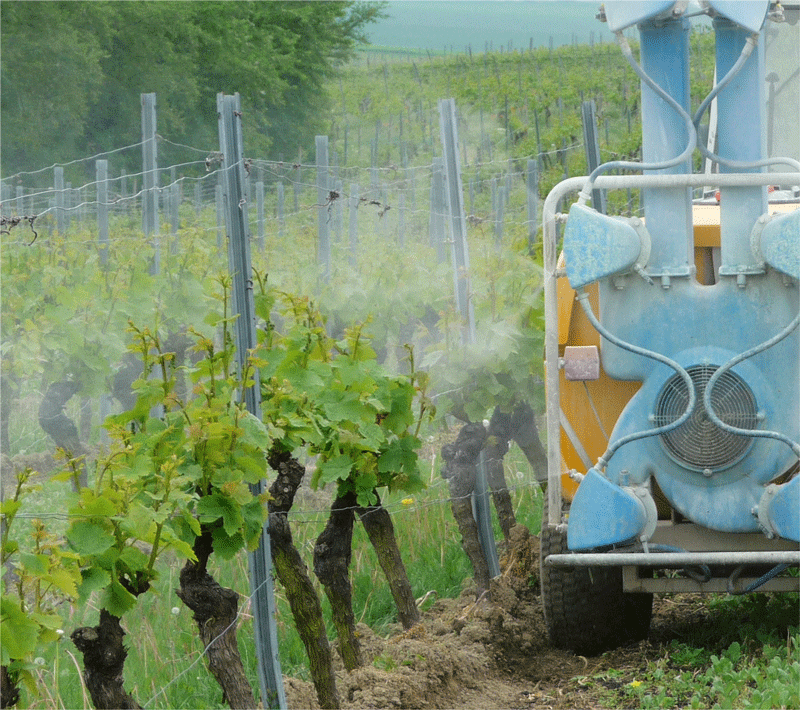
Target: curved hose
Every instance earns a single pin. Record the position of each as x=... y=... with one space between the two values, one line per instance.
x=586 y=192
x=774 y=572
x=795 y=446
x=602 y=462
x=704 y=575
x=750 y=44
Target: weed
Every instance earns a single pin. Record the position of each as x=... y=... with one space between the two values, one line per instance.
x=385 y=662
x=743 y=675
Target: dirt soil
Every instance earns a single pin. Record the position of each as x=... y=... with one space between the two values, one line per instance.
x=494 y=653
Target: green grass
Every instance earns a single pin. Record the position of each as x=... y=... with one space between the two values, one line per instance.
x=165 y=668
x=768 y=677
x=746 y=655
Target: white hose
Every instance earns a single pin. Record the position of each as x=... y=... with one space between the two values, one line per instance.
x=586 y=192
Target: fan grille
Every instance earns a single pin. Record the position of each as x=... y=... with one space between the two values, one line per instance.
x=698 y=443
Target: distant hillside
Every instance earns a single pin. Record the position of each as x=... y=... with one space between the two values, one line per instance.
x=452 y=25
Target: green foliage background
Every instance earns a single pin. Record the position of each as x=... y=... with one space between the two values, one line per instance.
x=72 y=72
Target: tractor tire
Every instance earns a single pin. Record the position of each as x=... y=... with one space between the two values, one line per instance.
x=585 y=609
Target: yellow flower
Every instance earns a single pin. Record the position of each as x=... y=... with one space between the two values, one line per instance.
x=407 y=501
x=635 y=683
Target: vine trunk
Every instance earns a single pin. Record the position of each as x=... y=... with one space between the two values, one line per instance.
x=293 y=575
x=380 y=530
x=103 y=663
x=332 y=555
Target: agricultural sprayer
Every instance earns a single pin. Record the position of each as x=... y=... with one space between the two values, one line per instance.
x=672 y=340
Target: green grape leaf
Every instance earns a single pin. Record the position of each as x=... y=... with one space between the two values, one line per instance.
x=345 y=410
x=94 y=505
x=64 y=580
x=9 y=508
x=215 y=506
x=34 y=564
x=226 y=546
x=252 y=465
x=117 y=600
x=20 y=632
x=89 y=538
x=335 y=469
x=134 y=559
x=94 y=579
x=139 y=522
x=254 y=431
x=399 y=456
x=254 y=514
x=181 y=546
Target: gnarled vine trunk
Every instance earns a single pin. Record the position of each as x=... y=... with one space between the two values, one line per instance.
x=215 y=610
x=332 y=554
x=55 y=422
x=460 y=470
x=103 y=663
x=525 y=434
x=495 y=448
x=380 y=530
x=292 y=574
x=9 y=693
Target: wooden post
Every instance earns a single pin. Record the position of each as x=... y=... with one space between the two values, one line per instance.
x=458 y=228
x=69 y=199
x=220 y=216
x=438 y=209
x=338 y=211
x=123 y=187
x=463 y=289
x=401 y=218
x=174 y=205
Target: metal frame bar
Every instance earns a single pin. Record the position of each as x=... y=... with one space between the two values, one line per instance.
x=632 y=582
x=673 y=559
x=240 y=266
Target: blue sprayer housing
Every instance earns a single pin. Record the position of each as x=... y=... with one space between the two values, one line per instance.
x=727 y=463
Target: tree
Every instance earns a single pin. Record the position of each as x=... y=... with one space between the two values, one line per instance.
x=50 y=78
x=72 y=72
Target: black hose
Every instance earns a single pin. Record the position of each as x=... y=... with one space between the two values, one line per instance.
x=701 y=574
x=763 y=579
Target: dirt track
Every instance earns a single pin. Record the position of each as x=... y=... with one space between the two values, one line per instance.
x=494 y=653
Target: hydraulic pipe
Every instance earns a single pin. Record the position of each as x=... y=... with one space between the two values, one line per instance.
x=664 y=48
x=740 y=109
